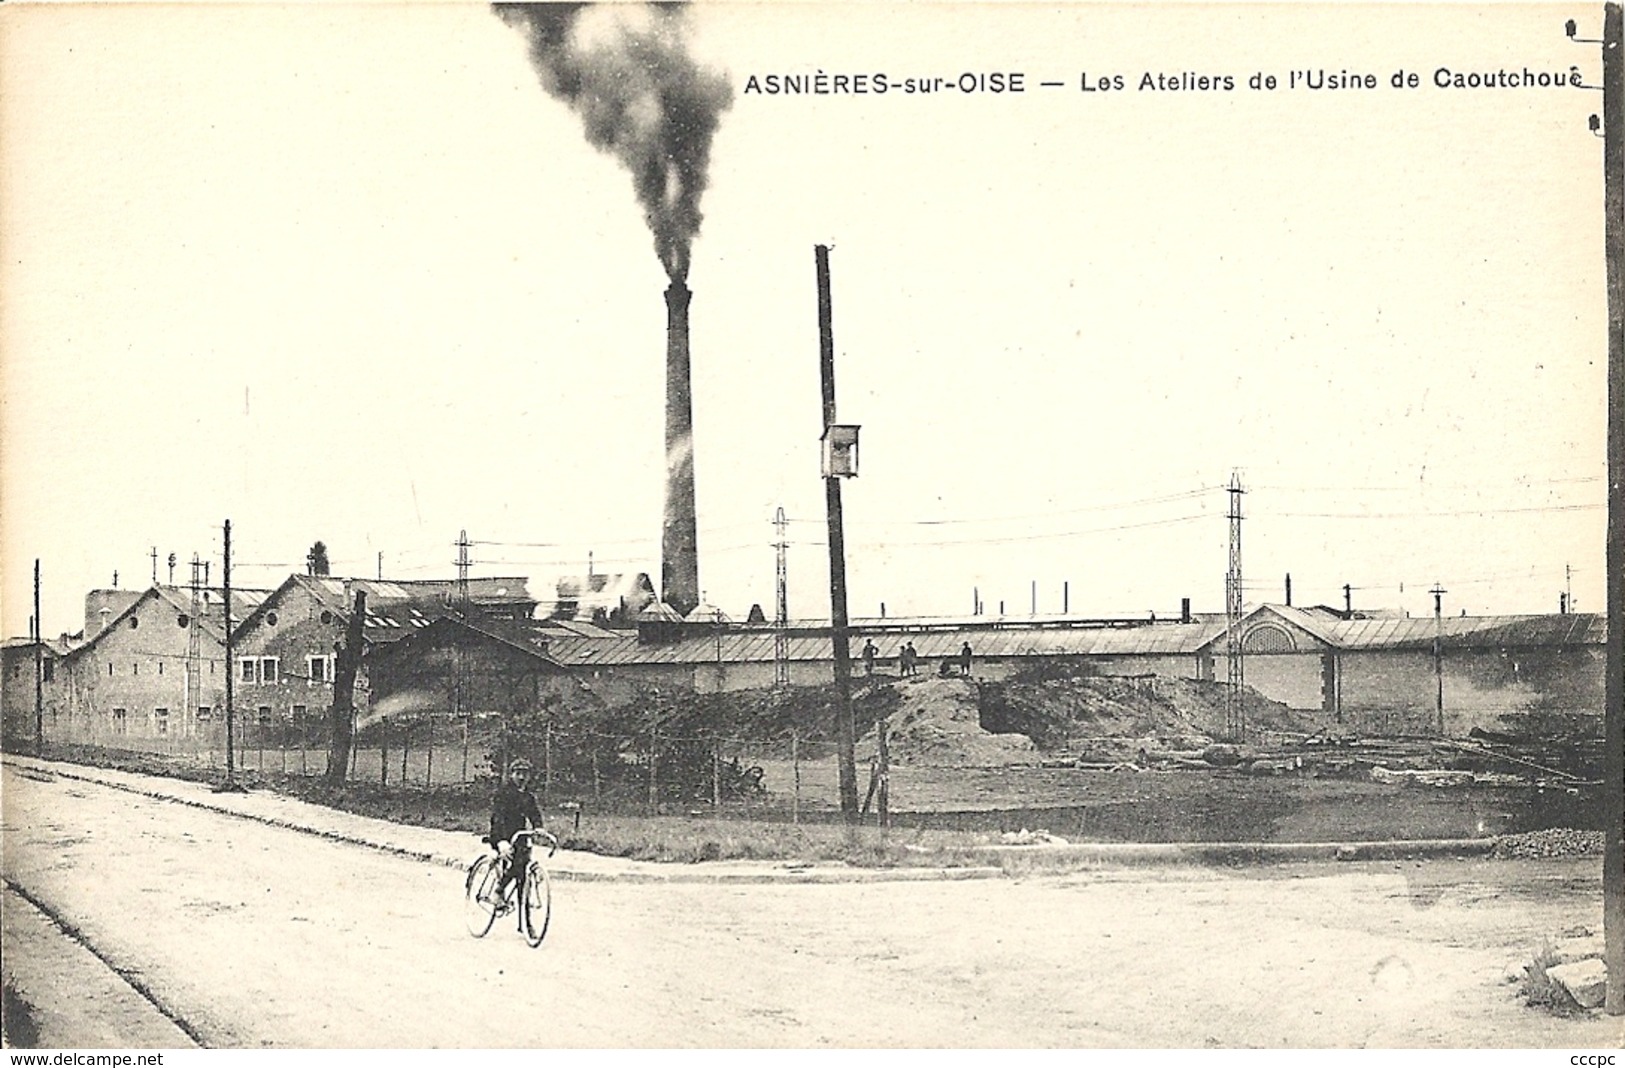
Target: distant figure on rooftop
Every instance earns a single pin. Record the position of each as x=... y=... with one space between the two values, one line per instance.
x=869 y=653
x=964 y=660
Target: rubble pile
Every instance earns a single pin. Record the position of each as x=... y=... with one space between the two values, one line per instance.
x=938 y=721
x=1110 y=717
x=1557 y=842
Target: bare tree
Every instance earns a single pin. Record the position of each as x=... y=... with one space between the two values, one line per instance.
x=341 y=716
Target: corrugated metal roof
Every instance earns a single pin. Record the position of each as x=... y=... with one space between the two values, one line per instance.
x=738 y=645
x=1575 y=628
x=731 y=645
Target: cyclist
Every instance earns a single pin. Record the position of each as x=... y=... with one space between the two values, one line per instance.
x=513 y=809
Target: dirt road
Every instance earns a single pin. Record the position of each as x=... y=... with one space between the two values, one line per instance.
x=262 y=936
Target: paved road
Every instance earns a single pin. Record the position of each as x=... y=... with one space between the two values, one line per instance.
x=254 y=935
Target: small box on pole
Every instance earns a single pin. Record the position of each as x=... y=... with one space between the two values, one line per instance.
x=841 y=450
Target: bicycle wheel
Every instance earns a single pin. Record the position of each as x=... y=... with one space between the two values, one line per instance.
x=536 y=910
x=478 y=911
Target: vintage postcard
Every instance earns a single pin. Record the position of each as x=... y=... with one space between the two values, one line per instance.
x=817 y=525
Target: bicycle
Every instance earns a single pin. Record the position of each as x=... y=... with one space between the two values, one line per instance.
x=534 y=905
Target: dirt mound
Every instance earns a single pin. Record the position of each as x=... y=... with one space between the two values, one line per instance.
x=1114 y=716
x=938 y=721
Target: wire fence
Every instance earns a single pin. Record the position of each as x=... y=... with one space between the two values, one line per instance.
x=652 y=769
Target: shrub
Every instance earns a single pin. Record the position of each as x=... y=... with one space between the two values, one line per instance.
x=1540 y=990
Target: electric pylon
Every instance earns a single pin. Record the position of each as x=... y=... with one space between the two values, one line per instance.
x=1234 y=713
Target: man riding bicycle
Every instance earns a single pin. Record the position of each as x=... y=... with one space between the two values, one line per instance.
x=513 y=809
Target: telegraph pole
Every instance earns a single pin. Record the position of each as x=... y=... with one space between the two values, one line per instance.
x=230 y=671
x=1438 y=592
x=846 y=734
x=781 y=605
x=39 y=671
x=1613 y=167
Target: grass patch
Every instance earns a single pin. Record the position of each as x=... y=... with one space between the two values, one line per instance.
x=1541 y=991
x=17 y=1017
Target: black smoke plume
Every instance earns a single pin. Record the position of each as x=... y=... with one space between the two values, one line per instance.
x=642 y=98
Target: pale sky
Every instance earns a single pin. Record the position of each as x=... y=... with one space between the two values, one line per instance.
x=348 y=273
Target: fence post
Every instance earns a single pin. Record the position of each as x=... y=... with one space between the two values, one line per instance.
x=406 y=746
x=653 y=760
x=383 y=752
x=428 y=774
x=547 y=756
x=464 y=777
x=795 y=770
x=597 y=783
x=716 y=777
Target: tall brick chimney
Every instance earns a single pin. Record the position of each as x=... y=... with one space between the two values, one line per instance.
x=679 y=550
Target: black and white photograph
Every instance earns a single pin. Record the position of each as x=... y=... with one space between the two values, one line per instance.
x=819 y=526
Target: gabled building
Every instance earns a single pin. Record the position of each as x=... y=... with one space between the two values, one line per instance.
x=152 y=669
x=1421 y=675
x=17 y=690
x=455 y=668
x=285 y=653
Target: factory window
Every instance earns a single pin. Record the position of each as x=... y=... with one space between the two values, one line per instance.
x=160 y=721
x=160 y=667
x=135 y=668
x=183 y=621
x=299 y=712
x=246 y=669
x=319 y=668
x=204 y=713
x=118 y=721
x=134 y=622
x=265 y=715
x=268 y=669
x=50 y=670
x=327 y=617
x=109 y=669
x=270 y=619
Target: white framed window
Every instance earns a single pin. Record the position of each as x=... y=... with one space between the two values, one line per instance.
x=319 y=669
x=265 y=715
x=204 y=713
x=160 y=721
x=120 y=721
x=247 y=669
x=270 y=669
x=300 y=712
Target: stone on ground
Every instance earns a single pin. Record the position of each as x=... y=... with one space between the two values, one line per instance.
x=1585 y=980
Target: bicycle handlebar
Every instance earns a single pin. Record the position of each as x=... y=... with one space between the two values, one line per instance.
x=535 y=833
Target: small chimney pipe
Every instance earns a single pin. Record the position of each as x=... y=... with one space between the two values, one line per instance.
x=1184 y=609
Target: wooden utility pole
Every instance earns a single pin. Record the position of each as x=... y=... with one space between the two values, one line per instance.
x=1613 y=156
x=846 y=734
x=231 y=666
x=39 y=671
x=341 y=714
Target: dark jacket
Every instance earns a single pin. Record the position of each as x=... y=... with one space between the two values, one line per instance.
x=509 y=811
